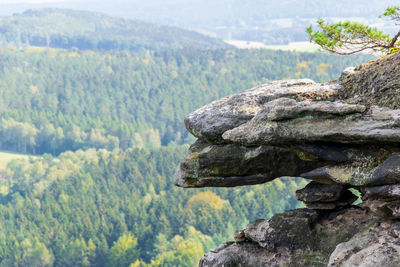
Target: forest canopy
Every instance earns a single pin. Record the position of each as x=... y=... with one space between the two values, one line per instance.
x=57 y=100
x=101 y=122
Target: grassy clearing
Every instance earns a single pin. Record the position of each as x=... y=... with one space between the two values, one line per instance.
x=6 y=157
x=294 y=46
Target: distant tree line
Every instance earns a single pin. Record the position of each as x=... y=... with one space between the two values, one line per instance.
x=84 y=30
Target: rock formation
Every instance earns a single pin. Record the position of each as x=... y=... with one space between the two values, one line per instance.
x=341 y=135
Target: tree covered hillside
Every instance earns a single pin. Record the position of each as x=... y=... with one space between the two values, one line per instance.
x=114 y=121
x=63 y=28
x=89 y=208
x=54 y=100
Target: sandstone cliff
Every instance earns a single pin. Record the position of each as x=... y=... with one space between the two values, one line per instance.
x=341 y=134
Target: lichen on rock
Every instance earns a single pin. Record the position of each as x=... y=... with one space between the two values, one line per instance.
x=373 y=83
x=341 y=134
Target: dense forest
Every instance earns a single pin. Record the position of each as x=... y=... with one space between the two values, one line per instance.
x=103 y=126
x=56 y=100
x=73 y=29
x=89 y=208
x=117 y=119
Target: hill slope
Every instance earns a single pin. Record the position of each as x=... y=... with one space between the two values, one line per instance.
x=52 y=101
x=63 y=28
x=75 y=209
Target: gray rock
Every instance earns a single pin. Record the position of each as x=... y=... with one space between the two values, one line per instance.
x=239 y=236
x=316 y=192
x=325 y=196
x=382 y=192
x=330 y=152
x=342 y=174
x=286 y=108
x=211 y=121
x=346 y=200
x=221 y=247
x=375 y=247
x=373 y=83
x=385 y=173
x=383 y=200
x=247 y=254
x=232 y=165
x=294 y=238
x=387 y=209
x=348 y=70
x=388 y=171
x=340 y=134
x=371 y=154
x=317 y=123
x=292 y=229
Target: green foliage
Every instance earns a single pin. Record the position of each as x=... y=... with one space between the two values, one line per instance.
x=393 y=12
x=124 y=251
x=35 y=254
x=101 y=208
x=53 y=101
x=76 y=253
x=347 y=37
x=182 y=251
x=110 y=200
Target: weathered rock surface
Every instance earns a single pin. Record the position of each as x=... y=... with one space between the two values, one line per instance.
x=383 y=200
x=274 y=122
x=316 y=192
x=374 y=247
x=388 y=172
x=294 y=238
x=232 y=165
x=343 y=134
x=307 y=121
x=211 y=121
x=345 y=200
x=385 y=192
x=246 y=254
x=373 y=83
x=325 y=196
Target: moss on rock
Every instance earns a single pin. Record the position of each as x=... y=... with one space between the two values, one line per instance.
x=374 y=83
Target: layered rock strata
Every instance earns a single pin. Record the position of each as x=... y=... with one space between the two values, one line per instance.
x=343 y=134
x=301 y=237
x=325 y=196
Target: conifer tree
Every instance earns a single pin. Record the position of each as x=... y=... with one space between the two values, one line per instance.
x=345 y=38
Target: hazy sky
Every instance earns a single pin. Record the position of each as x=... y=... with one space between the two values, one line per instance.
x=29 y=1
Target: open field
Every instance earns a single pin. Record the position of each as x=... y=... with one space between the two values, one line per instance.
x=6 y=157
x=294 y=46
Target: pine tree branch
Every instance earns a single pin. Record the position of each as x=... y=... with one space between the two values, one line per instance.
x=394 y=40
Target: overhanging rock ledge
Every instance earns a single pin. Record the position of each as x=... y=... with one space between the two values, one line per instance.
x=341 y=134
